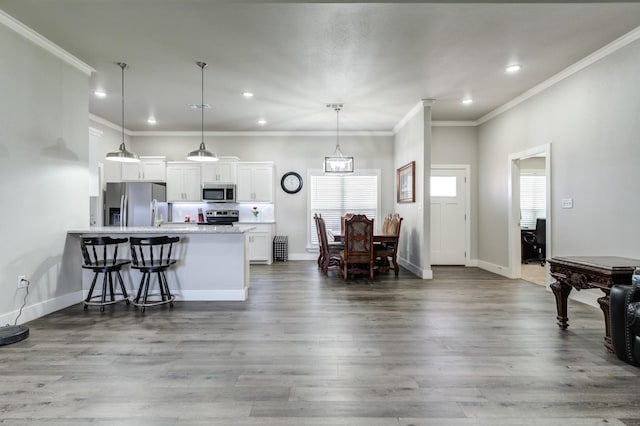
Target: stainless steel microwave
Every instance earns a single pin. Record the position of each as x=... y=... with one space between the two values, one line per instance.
x=219 y=193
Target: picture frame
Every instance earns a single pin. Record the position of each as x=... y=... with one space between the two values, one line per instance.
x=406 y=183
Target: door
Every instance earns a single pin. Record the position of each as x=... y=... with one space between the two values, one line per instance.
x=448 y=216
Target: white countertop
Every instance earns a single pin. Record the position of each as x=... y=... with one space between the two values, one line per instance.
x=164 y=229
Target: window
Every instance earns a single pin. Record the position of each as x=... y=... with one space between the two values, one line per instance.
x=533 y=198
x=334 y=195
x=443 y=186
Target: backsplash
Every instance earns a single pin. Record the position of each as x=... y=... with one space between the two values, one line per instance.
x=179 y=211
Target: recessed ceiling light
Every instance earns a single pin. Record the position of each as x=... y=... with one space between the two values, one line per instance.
x=199 y=106
x=100 y=93
x=513 y=68
x=247 y=94
x=151 y=120
x=467 y=101
x=262 y=122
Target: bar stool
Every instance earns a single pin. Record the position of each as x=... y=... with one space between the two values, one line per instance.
x=152 y=255
x=101 y=256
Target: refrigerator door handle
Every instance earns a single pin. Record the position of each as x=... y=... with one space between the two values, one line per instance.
x=123 y=210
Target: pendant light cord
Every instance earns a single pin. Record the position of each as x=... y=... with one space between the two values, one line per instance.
x=202 y=101
x=122 y=67
x=338 y=127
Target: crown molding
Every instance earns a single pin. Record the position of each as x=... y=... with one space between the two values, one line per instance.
x=264 y=133
x=454 y=123
x=404 y=120
x=601 y=53
x=109 y=124
x=95 y=132
x=46 y=44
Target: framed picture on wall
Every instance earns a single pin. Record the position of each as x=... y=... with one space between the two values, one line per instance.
x=406 y=184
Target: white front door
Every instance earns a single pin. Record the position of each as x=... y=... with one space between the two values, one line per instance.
x=448 y=216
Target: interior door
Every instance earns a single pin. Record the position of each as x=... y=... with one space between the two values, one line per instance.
x=448 y=220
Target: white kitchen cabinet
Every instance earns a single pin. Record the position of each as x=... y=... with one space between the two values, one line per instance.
x=183 y=182
x=255 y=182
x=260 y=243
x=219 y=172
x=149 y=169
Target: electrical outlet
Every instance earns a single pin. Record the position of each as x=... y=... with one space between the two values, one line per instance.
x=22 y=281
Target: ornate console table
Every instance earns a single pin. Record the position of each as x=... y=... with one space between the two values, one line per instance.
x=582 y=272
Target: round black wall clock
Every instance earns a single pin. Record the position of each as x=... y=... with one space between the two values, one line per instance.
x=291 y=182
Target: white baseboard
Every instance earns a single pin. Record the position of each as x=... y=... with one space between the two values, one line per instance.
x=40 y=309
x=496 y=269
x=472 y=263
x=425 y=274
x=211 y=295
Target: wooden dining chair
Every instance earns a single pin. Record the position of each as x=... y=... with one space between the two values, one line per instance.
x=329 y=258
x=358 y=256
x=386 y=253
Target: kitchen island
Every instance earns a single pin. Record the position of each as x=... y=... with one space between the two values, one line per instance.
x=212 y=261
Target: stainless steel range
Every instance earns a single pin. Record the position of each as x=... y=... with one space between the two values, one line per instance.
x=221 y=217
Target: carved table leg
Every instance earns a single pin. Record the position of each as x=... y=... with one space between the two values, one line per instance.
x=604 y=305
x=561 y=291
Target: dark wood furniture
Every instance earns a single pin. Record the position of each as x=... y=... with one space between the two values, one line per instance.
x=100 y=255
x=357 y=256
x=527 y=251
x=329 y=257
x=152 y=255
x=387 y=253
x=584 y=272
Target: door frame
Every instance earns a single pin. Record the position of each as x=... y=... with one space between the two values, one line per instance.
x=515 y=269
x=467 y=207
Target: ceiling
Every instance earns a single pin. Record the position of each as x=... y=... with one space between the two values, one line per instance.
x=379 y=59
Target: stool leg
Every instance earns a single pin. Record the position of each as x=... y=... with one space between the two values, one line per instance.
x=146 y=292
x=165 y=285
x=111 y=294
x=104 y=291
x=93 y=284
x=124 y=290
x=140 y=287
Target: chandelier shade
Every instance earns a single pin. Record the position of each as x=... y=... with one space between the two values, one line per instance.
x=337 y=163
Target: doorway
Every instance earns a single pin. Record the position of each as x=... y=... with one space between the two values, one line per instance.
x=450 y=219
x=519 y=164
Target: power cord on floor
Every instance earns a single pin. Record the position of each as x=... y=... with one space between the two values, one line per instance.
x=24 y=302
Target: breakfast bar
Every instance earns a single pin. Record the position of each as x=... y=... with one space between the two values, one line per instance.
x=212 y=261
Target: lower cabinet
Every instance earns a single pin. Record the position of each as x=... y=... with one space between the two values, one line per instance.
x=260 y=243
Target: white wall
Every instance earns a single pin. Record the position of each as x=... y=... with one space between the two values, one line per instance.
x=459 y=145
x=289 y=153
x=43 y=173
x=412 y=143
x=592 y=120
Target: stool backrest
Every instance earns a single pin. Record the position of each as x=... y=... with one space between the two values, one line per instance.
x=152 y=251
x=100 y=250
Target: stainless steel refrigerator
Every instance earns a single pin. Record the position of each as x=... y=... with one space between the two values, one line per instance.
x=134 y=203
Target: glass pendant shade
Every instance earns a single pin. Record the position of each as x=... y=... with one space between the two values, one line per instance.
x=202 y=154
x=337 y=163
x=122 y=154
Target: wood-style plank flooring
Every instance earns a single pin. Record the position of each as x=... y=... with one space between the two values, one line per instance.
x=466 y=348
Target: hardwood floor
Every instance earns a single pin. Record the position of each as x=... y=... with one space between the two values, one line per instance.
x=466 y=348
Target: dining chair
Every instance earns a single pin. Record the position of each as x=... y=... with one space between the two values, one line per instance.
x=386 y=253
x=357 y=256
x=329 y=258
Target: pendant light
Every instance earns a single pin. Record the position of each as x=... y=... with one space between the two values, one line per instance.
x=201 y=154
x=122 y=155
x=337 y=163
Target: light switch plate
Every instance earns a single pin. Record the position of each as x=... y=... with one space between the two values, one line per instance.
x=567 y=203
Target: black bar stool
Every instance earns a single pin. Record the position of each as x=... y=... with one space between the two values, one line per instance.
x=151 y=255
x=101 y=256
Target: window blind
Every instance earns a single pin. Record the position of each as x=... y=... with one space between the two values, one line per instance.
x=533 y=199
x=332 y=196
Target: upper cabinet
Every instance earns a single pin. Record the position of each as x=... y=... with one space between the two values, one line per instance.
x=149 y=169
x=219 y=172
x=183 y=182
x=255 y=182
